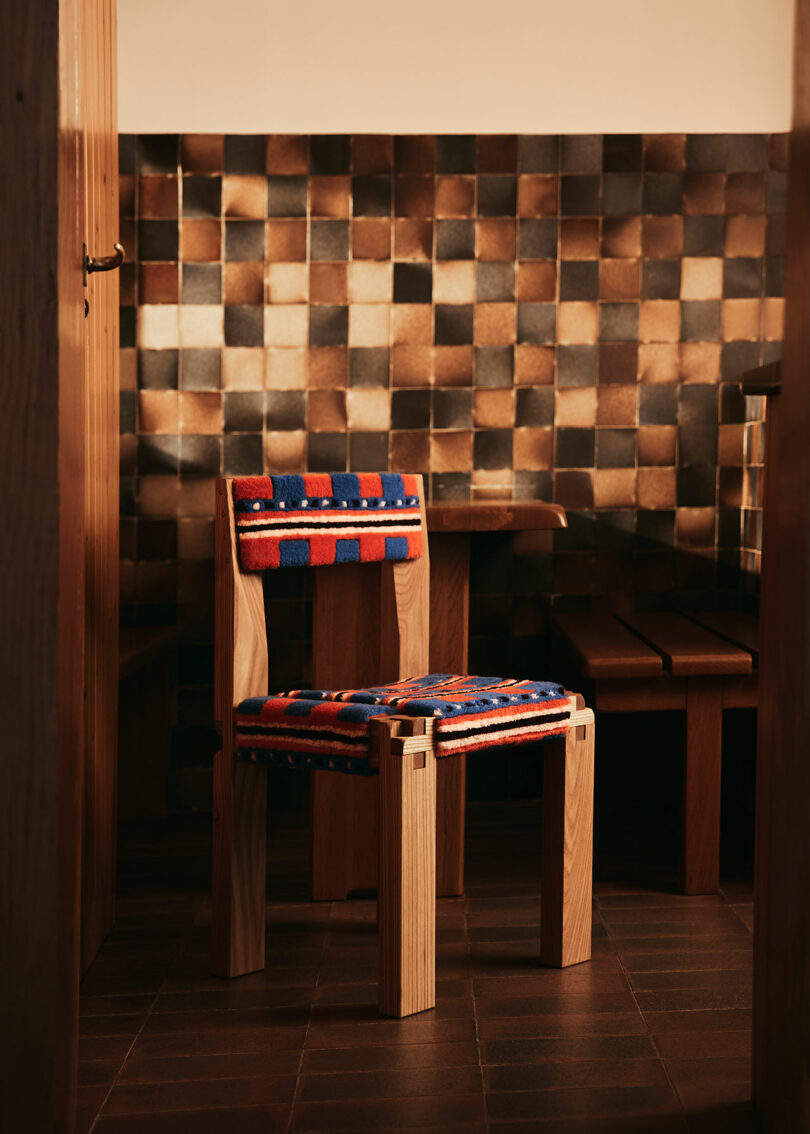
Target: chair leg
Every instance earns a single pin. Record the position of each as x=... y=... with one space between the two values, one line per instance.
x=239 y=866
x=702 y=771
x=407 y=891
x=567 y=845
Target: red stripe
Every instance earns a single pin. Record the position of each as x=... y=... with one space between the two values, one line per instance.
x=370 y=484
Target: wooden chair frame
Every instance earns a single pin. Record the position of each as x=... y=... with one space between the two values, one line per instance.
x=404 y=792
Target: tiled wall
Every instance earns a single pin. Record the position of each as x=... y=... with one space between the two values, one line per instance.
x=535 y=317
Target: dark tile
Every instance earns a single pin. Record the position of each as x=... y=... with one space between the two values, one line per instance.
x=775 y=275
x=495 y=282
x=618 y=322
x=497 y=153
x=286 y=196
x=199 y=455
x=531 y=485
x=775 y=236
x=706 y=153
x=200 y=369
x=413 y=283
x=534 y=406
x=580 y=195
x=615 y=448
x=697 y=445
x=661 y=279
x=455 y=240
x=414 y=153
x=157 y=539
x=449 y=488
x=497 y=196
x=328 y=326
x=536 y=322
x=242 y=455
x=157 y=153
x=127 y=401
x=368 y=452
x=202 y=196
x=581 y=153
x=574 y=448
x=202 y=283
x=622 y=153
x=742 y=278
x=700 y=320
x=697 y=406
x=621 y=193
x=127 y=154
x=329 y=153
x=244 y=326
x=776 y=193
x=244 y=240
x=537 y=239
x=157 y=240
x=329 y=240
x=538 y=153
x=658 y=405
x=245 y=153
x=285 y=409
x=157 y=369
x=414 y=196
x=746 y=152
x=454 y=324
x=369 y=366
x=656 y=527
x=456 y=153
x=492 y=449
x=577 y=365
x=663 y=193
x=494 y=365
x=579 y=279
x=452 y=409
x=736 y=358
x=371 y=196
x=703 y=236
x=243 y=411
x=326 y=452
x=410 y=409
x=618 y=363
x=696 y=487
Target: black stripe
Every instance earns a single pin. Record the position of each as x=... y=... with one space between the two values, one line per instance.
x=290 y=733
x=331 y=525
x=498 y=726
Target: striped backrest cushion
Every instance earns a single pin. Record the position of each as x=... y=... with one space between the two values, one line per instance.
x=318 y=519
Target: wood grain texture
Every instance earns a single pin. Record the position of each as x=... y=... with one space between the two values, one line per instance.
x=101 y=480
x=498 y=517
x=735 y=626
x=700 y=801
x=240 y=789
x=407 y=891
x=781 y=1068
x=567 y=844
x=688 y=649
x=605 y=647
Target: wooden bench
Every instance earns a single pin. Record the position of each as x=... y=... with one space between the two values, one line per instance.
x=701 y=663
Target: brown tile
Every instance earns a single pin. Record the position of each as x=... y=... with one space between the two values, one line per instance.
x=369 y=324
x=285 y=452
x=614 y=488
x=617 y=406
x=244 y=197
x=656 y=444
x=157 y=283
x=134 y=1098
x=202 y=153
x=287 y=240
x=745 y=193
x=413 y=239
x=243 y=283
x=370 y=282
x=538 y=195
x=411 y=365
x=326 y=411
x=656 y=487
x=438 y=1112
x=371 y=238
x=533 y=448
x=537 y=281
x=621 y=237
x=242 y=368
x=372 y=153
x=704 y=194
x=415 y=153
x=158 y=411
x=451 y=451
x=455 y=196
x=700 y=362
x=285 y=369
x=773 y=319
x=662 y=237
x=731 y=490
x=740 y=319
x=328 y=283
x=494 y=409
x=619 y=280
x=329 y=196
x=495 y=323
x=414 y=197
x=694 y=527
x=286 y=326
x=200 y=240
x=412 y=323
x=659 y=321
x=496 y=239
x=572 y=489
x=778 y=151
x=453 y=365
x=287 y=154
x=158 y=197
x=410 y=453
x=659 y=362
x=576 y=407
x=701 y=277
x=126 y=195
x=534 y=365
x=706 y=1045
x=577 y=323
x=579 y=240
x=454 y=281
x=745 y=236
x=201 y=412
x=497 y=153
x=664 y=153
x=327 y=367
x=286 y=283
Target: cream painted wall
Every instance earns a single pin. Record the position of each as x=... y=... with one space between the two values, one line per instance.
x=454 y=66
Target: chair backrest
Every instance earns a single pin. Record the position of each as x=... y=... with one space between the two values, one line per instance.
x=371 y=607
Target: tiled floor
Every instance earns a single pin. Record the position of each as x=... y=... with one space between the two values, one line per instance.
x=652 y=1035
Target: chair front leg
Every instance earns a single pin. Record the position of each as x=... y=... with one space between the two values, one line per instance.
x=239 y=895
x=403 y=751
x=567 y=845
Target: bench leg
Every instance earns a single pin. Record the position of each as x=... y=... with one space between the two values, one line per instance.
x=239 y=896
x=567 y=847
x=700 y=806
x=407 y=892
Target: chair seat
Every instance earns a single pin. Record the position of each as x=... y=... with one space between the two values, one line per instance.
x=328 y=729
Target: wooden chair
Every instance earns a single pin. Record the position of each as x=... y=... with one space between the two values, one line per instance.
x=376 y=613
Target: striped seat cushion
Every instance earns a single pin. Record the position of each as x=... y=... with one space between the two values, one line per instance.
x=318 y=519
x=328 y=729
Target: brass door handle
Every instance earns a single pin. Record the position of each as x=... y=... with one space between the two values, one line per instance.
x=103 y=263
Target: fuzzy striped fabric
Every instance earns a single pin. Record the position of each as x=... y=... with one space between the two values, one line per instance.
x=328 y=729
x=323 y=518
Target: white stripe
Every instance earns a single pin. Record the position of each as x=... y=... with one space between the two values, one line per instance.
x=338 y=533
x=249 y=519
x=496 y=737
x=456 y=724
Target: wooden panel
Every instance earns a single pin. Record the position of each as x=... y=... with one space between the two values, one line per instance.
x=734 y=625
x=498 y=517
x=700 y=808
x=781 y=1069
x=42 y=570
x=640 y=694
x=687 y=648
x=604 y=647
